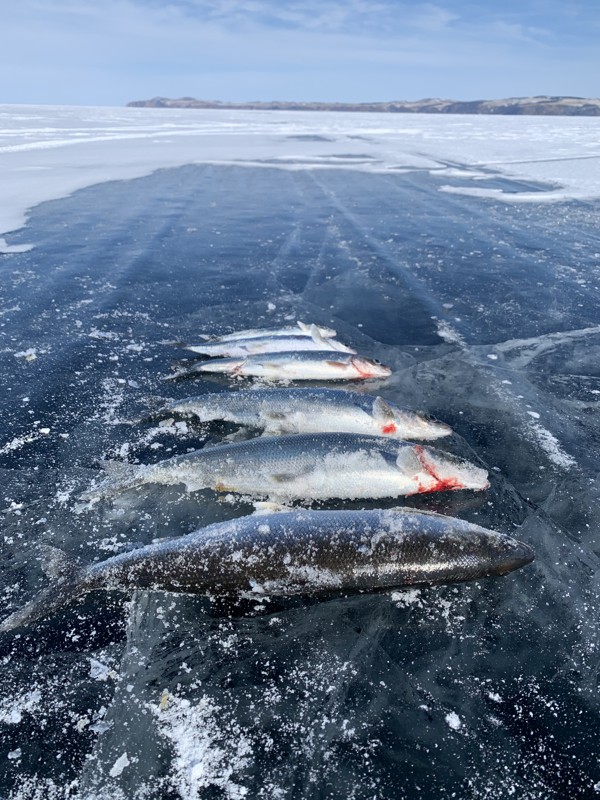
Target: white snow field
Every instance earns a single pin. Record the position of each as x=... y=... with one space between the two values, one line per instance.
x=48 y=152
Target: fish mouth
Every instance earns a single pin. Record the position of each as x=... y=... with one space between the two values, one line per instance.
x=417 y=425
x=368 y=368
x=434 y=429
x=521 y=554
x=439 y=428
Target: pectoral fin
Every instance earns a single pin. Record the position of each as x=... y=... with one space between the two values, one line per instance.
x=284 y=477
x=290 y=477
x=382 y=410
x=408 y=462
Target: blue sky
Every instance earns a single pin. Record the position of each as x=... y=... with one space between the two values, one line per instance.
x=107 y=52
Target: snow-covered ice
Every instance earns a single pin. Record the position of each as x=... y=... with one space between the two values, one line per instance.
x=47 y=152
x=166 y=224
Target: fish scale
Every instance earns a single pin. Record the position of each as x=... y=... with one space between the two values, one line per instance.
x=309 y=411
x=268 y=344
x=316 y=466
x=306 y=365
x=319 y=553
x=300 y=329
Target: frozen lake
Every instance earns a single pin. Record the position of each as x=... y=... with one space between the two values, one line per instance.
x=462 y=251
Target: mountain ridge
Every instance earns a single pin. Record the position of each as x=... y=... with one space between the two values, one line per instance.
x=560 y=105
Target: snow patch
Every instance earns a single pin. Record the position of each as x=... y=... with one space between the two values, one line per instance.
x=119 y=765
x=12 y=709
x=551 y=446
x=209 y=751
x=27 y=355
x=446 y=332
x=453 y=720
x=9 y=249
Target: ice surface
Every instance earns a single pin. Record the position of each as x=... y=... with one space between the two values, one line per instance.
x=47 y=152
x=352 y=698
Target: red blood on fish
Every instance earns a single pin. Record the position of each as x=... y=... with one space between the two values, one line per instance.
x=362 y=372
x=391 y=428
x=443 y=484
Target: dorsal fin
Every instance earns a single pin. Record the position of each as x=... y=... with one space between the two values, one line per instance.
x=115 y=469
x=315 y=334
x=56 y=563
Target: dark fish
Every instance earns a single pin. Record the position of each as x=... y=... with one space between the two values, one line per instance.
x=320 y=553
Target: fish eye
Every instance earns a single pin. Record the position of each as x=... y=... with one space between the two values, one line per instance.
x=376 y=361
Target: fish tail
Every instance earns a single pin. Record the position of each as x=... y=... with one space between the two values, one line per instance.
x=185 y=362
x=156 y=407
x=119 y=478
x=200 y=349
x=71 y=580
x=175 y=376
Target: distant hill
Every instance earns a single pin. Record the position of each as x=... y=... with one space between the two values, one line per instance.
x=540 y=105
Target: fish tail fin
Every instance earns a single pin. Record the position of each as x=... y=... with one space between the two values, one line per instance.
x=205 y=349
x=185 y=362
x=119 y=478
x=70 y=580
x=156 y=407
x=181 y=372
x=175 y=375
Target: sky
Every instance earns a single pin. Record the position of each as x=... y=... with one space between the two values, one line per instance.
x=108 y=52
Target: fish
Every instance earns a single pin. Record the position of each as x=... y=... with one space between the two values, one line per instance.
x=306 y=466
x=319 y=365
x=300 y=329
x=280 y=411
x=269 y=344
x=314 y=553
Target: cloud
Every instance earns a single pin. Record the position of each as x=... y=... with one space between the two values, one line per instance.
x=517 y=32
x=76 y=51
x=429 y=17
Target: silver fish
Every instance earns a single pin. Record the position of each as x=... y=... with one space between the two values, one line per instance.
x=300 y=329
x=322 y=553
x=311 y=466
x=279 y=411
x=293 y=366
x=268 y=344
